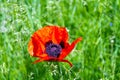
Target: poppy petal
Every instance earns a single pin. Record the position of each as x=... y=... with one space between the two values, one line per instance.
x=35 y=47
x=44 y=34
x=61 y=34
x=66 y=51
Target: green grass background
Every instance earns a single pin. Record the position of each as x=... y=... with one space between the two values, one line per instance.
x=96 y=57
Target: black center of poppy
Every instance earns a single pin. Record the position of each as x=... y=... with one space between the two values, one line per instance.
x=53 y=50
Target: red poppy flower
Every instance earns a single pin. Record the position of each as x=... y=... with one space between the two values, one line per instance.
x=50 y=43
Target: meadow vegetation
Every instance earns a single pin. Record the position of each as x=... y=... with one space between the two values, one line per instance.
x=96 y=57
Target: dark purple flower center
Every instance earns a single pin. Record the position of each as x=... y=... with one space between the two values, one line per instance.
x=52 y=49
